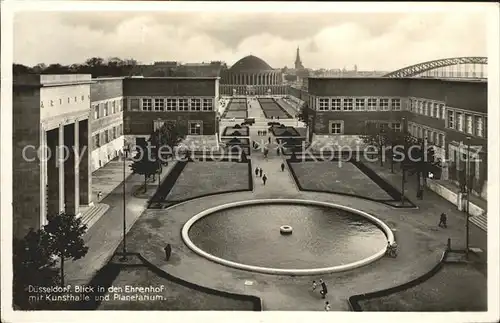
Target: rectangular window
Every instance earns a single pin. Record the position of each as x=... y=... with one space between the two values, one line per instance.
x=431 y=109
x=113 y=107
x=336 y=104
x=97 y=142
x=134 y=105
x=460 y=121
x=336 y=128
x=396 y=104
x=479 y=127
x=451 y=120
x=96 y=111
x=106 y=136
x=468 y=124
x=159 y=105
x=119 y=105
x=115 y=132
x=426 y=108
x=384 y=104
x=436 y=111
x=442 y=110
x=426 y=134
x=348 y=105
x=323 y=104
x=109 y=109
x=195 y=127
x=195 y=104
x=372 y=104
x=412 y=105
x=171 y=104
x=396 y=127
x=207 y=105
x=147 y=104
x=104 y=109
x=183 y=105
x=360 y=104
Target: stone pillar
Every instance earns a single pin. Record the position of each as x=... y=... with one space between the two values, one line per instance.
x=52 y=186
x=76 y=150
x=69 y=169
x=84 y=173
x=60 y=165
x=43 y=155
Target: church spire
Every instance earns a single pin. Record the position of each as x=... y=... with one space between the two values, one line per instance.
x=298 y=62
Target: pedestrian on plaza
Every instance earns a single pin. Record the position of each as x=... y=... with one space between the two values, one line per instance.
x=327 y=306
x=442 y=220
x=99 y=195
x=258 y=133
x=269 y=139
x=264 y=179
x=168 y=251
x=314 y=285
x=260 y=172
x=257 y=169
x=324 y=289
x=282 y=167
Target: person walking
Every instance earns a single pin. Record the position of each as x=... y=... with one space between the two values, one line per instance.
x=327 y=306
x=264 y=179
x=442 y=220
x=282 y=167
x=314 y=285
x=269 y=139
x=260 y=172
x=324 y=289
x=257 y=169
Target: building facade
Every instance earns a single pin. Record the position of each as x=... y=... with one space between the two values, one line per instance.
x=252 y=76
x=124 y=109
x=51 y=143
x=444 y=112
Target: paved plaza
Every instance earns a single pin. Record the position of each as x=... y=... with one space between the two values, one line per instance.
x=421 y=242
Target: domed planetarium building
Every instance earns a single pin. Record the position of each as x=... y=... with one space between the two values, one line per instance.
x=252 y=76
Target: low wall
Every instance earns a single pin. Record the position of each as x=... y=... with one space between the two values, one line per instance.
x=354 y=300
x=454 y=198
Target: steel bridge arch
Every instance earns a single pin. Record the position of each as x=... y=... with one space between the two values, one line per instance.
x=420 y=68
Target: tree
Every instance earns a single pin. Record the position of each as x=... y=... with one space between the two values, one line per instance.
x=33 y=264
x=147 y=165
x=304 y=113
x=375 y=135
x=66 y=238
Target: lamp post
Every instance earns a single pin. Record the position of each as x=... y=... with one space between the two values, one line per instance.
x=403 y=163
x=468 y=190
x=124 y=256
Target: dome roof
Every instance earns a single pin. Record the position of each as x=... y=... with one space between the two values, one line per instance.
x=250 y=63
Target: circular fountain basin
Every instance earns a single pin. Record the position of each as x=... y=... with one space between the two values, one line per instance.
x=326 y=237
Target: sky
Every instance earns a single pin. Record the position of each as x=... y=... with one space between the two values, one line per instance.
x=372 y=41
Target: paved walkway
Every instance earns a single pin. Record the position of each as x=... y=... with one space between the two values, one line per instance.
x=106 y=234
x=433 y=205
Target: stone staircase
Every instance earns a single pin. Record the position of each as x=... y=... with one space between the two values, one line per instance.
x=481 y=221
x=93 y=214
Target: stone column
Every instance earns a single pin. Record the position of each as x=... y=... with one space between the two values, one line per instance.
x=60 y=165
x=43 y=155
x=69 y=169
x=52 y=186
x=84 y=172
x=77 y=166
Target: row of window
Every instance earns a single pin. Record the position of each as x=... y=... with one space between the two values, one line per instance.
x=428 y=108
x=359 y=104
x=107 y=135
x=108 y=108
x=467 y=123
x=337 y=127
x=176 y=104
x=433 y=136
x=61 y=101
